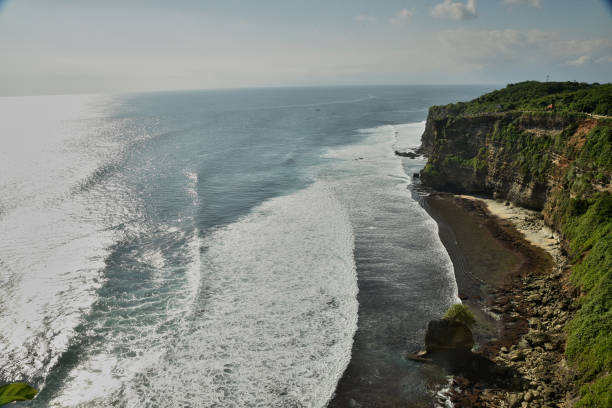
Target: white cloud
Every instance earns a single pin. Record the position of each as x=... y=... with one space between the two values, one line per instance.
x=401 y=16
x=530 y=3
x=495 y=47
x=455 y=10
x=581 y=60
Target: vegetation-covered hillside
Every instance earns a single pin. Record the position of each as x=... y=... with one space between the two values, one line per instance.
x=538 y=96
x=510 y=144
x=582 y=211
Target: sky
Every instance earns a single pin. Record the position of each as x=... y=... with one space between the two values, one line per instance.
x=114 y=46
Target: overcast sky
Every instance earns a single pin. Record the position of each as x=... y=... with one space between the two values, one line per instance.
x=91 y=46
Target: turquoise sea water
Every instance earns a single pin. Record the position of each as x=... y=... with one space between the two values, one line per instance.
x=214 y=248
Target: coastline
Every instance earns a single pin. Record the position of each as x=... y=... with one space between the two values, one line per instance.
x=511 y=272
x=399 y=291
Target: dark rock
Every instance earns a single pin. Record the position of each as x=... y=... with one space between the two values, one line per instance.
x=537 y=338
x=448 y=335
x=411 y=155
x=475 y=368
x=516 y=355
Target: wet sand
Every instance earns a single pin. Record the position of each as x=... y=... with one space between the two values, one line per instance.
x=509 y=267
x=481 y=260
x=488 y=253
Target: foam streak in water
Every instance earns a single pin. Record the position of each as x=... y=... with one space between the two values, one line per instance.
x=405 y=275
x=276 y=315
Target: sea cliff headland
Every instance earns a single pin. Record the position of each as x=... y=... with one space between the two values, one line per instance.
x=545 y=147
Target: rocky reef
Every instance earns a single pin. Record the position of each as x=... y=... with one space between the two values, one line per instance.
x=546 y=147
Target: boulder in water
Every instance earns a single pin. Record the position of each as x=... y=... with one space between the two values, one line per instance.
x=448 y=335
x=411 y=155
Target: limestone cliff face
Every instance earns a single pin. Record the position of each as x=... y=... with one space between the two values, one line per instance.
x=510 y=145
x=515 y=156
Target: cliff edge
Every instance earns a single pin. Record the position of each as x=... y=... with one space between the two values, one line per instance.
x=546 y=147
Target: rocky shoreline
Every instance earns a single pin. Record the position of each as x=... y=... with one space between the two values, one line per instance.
x=529 y=307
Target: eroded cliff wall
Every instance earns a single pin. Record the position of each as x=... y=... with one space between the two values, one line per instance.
x=521 y=157
x=559 y=163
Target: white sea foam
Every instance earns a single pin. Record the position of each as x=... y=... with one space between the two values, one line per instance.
x=52 y=244
x=64 y=207
x=407 y=135
x=261 y=312
x=399 y=238
x=191 y=185
x=275 y=318
x=132 y=338
x=102 y=375
x=443 y=395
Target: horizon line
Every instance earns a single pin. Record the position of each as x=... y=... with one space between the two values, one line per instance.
x=245 y=88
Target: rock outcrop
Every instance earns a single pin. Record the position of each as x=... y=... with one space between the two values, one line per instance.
x=447 y=335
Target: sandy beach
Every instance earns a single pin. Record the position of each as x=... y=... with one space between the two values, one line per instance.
x=527 y=222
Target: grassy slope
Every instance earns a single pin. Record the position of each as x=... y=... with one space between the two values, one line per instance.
x=580 y=210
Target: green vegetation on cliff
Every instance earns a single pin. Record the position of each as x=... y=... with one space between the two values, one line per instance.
x=583 y=214
x=509 y=145
x=537 y=96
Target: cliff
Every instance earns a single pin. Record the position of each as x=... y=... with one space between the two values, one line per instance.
x=506 y=155
x=547 y=147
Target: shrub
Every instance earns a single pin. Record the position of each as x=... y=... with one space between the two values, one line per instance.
x=460 y=313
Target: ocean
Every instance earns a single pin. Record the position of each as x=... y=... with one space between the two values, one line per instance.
x=226 y=248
